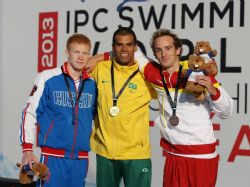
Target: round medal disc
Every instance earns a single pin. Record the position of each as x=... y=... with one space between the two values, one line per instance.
x=174 y=120
x=114 y=111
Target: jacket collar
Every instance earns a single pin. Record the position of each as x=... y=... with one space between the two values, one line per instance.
x=65 y=70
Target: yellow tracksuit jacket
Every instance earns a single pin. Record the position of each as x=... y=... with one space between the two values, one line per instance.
x=125 y=136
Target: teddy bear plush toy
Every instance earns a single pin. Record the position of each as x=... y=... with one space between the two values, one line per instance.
x=196 y=65
x=204 y=49
x=27 y=174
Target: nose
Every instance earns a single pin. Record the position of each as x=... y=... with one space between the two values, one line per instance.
x=80 y=56
x=124 y=48
x=163 y=53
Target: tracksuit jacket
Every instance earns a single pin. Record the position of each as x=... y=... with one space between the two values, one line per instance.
x=49 y=114
x=193 y=136
x=125 y=136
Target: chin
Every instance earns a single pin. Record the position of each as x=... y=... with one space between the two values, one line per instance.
x=122 y=62
x=165 y=67
x=79 y=68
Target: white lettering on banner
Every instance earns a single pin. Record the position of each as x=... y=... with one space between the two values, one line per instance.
x=47 y=41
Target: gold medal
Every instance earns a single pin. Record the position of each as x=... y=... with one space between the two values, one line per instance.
x=174 y=120
x=114 y=111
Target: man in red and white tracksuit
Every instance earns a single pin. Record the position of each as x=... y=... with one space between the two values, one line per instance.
x=190 y=144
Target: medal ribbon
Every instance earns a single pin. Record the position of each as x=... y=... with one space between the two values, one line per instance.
x=173 y=104
x=115 y=98
x=71 y=97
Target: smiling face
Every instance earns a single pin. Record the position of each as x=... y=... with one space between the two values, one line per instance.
x=166 y=53
x=124 y=48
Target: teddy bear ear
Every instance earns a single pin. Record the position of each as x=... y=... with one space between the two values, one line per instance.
x=202 y=59
x=190 y=57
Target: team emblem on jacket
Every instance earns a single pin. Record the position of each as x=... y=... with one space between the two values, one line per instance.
x=132 y=87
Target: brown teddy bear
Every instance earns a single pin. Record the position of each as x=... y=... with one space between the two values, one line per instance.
x=196 y=66
x=27 y=174
x=204 y=49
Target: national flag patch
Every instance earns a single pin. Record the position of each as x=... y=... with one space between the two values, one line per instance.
x=132 y=86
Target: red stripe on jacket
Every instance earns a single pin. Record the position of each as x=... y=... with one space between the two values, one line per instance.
x=188 y=149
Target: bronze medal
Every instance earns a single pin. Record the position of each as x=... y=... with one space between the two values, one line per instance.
x=174 y=120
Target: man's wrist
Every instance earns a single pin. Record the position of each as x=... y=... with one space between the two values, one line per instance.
x=27 y=147
x=215 y=95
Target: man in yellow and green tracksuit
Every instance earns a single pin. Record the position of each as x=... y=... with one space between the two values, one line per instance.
x=120 y=136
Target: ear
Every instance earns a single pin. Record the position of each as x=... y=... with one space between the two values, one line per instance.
x=190 y=58
x=136 y=48
x=178 y=51
x=67 y=53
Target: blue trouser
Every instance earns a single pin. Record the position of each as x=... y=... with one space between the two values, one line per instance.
x=64 y=172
